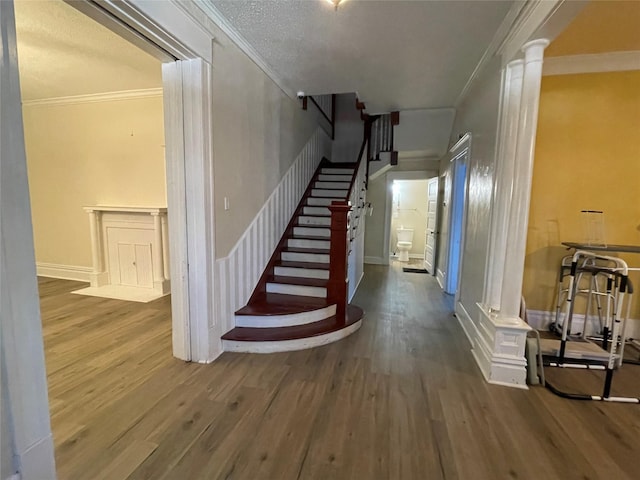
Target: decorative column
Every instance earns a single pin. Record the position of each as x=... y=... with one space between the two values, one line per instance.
x=525 y=149
x=165 y=246
x=156 y=252
x=98 y=275
x=499 y=346
x=503 y=183
x=338 y=284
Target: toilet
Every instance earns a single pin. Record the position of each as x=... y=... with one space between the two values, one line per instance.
x=405 y=240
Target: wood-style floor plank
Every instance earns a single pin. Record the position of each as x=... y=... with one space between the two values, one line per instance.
x=402 y=398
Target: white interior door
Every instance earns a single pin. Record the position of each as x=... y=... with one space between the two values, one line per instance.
x=430 y=240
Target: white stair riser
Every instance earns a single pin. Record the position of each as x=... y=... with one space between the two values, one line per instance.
x=301 y=290
x=312 y=232
x=317 y=211
x=319 y=201
x=301 y=272
x=341 y=194
x=337 y=171
x=334 y=178
x=305 y=257
x=302 y=220
x=338 y=185
x=274 y=321
x=289 y=345
x=306 y=243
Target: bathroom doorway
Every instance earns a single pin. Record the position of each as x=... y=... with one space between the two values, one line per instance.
x=408 y=226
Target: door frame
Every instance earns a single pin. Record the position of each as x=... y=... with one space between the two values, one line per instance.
x=460 y=154
x=434 y=260
x=189 y=157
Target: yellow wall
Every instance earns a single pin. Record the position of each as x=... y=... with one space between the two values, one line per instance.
x=587 y=157
x=109 y=153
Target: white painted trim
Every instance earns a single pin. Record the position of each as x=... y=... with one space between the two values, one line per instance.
x=221 y=21
x=530 y=19
x=355 y=290
x=593 y=63
x=440 y=278
x=374 y=260
x=64 y=272
x=176 y=208
x=15 y=476
x=96 y=97
x=23 y=377
x=291 y=345
x=198 y=163
x=239 y=272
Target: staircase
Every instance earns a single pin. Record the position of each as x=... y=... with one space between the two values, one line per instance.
x=290 y=308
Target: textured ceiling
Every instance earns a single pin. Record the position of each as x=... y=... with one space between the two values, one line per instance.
x=395 y=54
x=62 y=53
x=611 y=26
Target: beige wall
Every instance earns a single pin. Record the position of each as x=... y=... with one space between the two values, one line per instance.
x=109 y=153
x=587 y=157
x=257 y=133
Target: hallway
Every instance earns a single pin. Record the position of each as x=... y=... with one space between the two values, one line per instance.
x=400 y=399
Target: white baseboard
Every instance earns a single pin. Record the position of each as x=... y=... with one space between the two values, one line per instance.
x=374 y=260
x=64 y=272
x=541 y=319
x=15 y=476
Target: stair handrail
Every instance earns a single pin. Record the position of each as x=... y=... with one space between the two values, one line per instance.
x=329 y=116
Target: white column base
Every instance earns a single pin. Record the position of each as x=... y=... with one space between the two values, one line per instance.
x=99 y=279
x=162 y=286
x=497 y=344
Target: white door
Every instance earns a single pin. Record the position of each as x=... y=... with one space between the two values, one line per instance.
x=130 y=262
x=430 y=240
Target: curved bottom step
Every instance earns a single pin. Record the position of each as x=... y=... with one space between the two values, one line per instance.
x=288 y=339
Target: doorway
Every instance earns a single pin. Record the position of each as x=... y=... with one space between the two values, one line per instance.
x=457 y=214
x=408 y=221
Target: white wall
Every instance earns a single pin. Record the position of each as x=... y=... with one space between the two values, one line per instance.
x=478 y=114
x=427 y=131
x=257 y=134
x=349 y=129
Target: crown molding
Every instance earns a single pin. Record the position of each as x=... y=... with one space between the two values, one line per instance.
x=96 y=97
x=221 y=21
x=592 y=63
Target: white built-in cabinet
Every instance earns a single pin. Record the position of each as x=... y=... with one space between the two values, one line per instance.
x=129 y=247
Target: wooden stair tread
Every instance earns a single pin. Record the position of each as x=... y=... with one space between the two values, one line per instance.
x=314 y=215
x=317 y=266
x=306 y=250
x=328 y=325
x=311 y=225
x=307 y=282
x=281 y=304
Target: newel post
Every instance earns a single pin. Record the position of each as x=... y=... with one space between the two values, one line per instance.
x=337 y=287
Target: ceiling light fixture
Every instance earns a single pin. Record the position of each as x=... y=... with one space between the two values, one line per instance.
x=335 y=3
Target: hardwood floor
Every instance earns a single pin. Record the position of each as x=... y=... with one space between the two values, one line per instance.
x=400 y=399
